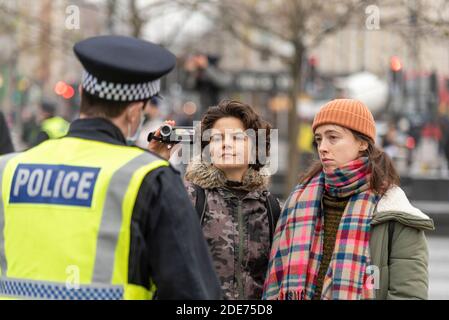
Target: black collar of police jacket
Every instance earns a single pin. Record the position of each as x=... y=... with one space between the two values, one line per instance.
x=98 y=129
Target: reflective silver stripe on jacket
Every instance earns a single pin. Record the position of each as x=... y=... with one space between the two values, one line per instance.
x=111 y=220
x=30 y=289
x=3 y=263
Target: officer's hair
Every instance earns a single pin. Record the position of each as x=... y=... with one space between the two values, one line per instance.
x=93 y=106
x=243 y=112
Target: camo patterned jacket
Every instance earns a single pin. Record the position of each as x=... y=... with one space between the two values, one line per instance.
x=236 y=229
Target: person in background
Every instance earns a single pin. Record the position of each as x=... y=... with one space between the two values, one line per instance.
x=51 y=126
x=6 y=145
x=30 y=128
x=305 y=143
x=204 y=75
x=444 y=142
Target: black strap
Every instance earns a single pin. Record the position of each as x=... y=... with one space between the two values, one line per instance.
x=200 y=203
x=152 y=136
x=390 y=238
x=274 y=211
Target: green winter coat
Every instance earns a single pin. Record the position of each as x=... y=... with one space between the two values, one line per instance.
x=404 y=274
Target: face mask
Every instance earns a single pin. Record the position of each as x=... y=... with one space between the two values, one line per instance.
x=132 y=140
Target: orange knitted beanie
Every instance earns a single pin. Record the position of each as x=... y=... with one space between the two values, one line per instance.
x=348 y=113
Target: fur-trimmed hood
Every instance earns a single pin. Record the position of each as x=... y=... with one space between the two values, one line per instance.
x=229 y=216
x=208 y=176
x=394 y=205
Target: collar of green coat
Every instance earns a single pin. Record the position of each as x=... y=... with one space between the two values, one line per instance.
x=209 y=177
x=394 y=205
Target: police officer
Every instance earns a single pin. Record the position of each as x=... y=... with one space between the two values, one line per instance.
x=89 y=217
x=52 y=126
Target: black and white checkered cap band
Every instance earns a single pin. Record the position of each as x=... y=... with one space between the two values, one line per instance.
x=120 y=91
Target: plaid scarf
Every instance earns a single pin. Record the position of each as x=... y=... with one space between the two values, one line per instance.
x=298 y=242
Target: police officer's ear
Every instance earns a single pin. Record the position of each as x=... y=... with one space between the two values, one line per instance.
x=133 y=112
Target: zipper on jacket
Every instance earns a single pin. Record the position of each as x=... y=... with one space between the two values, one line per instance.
x=203 y=213
x=240 y=258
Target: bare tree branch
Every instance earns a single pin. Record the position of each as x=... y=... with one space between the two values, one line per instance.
x=340 y=23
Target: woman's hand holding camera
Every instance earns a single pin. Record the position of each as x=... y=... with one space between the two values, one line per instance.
x=162 y=149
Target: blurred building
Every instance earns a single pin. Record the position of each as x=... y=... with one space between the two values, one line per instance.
x=40 y=40
x=357 y=47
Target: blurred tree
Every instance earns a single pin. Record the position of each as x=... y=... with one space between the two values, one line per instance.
x=301 y=24
x=141 y=13
x=45 y=52
x=111 y=10
x=136 y=19
x=294 y=27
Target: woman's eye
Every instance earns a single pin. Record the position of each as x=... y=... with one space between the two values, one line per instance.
x=239 y=137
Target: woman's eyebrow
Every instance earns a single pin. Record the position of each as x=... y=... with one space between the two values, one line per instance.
x=331 y=132
x=216 y=134
x=326 y=133
x=228 y=130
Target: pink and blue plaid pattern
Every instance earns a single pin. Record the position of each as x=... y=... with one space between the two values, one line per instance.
x=297 y=246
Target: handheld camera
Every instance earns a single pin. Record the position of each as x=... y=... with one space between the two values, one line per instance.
x=174 y=135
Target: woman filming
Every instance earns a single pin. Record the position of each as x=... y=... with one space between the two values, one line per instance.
x=237 y=212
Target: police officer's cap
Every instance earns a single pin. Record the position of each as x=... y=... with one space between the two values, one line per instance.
x=121 y=68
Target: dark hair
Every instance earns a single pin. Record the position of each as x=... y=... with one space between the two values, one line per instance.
x=48 y=107
x=243 y=112
x=383 y=172
x=94 y=106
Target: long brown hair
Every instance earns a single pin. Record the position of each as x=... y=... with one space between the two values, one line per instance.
x=383 y=172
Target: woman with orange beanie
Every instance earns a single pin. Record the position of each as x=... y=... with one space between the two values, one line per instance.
x=348 y=230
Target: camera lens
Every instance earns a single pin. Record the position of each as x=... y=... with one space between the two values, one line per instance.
x=166 y=130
